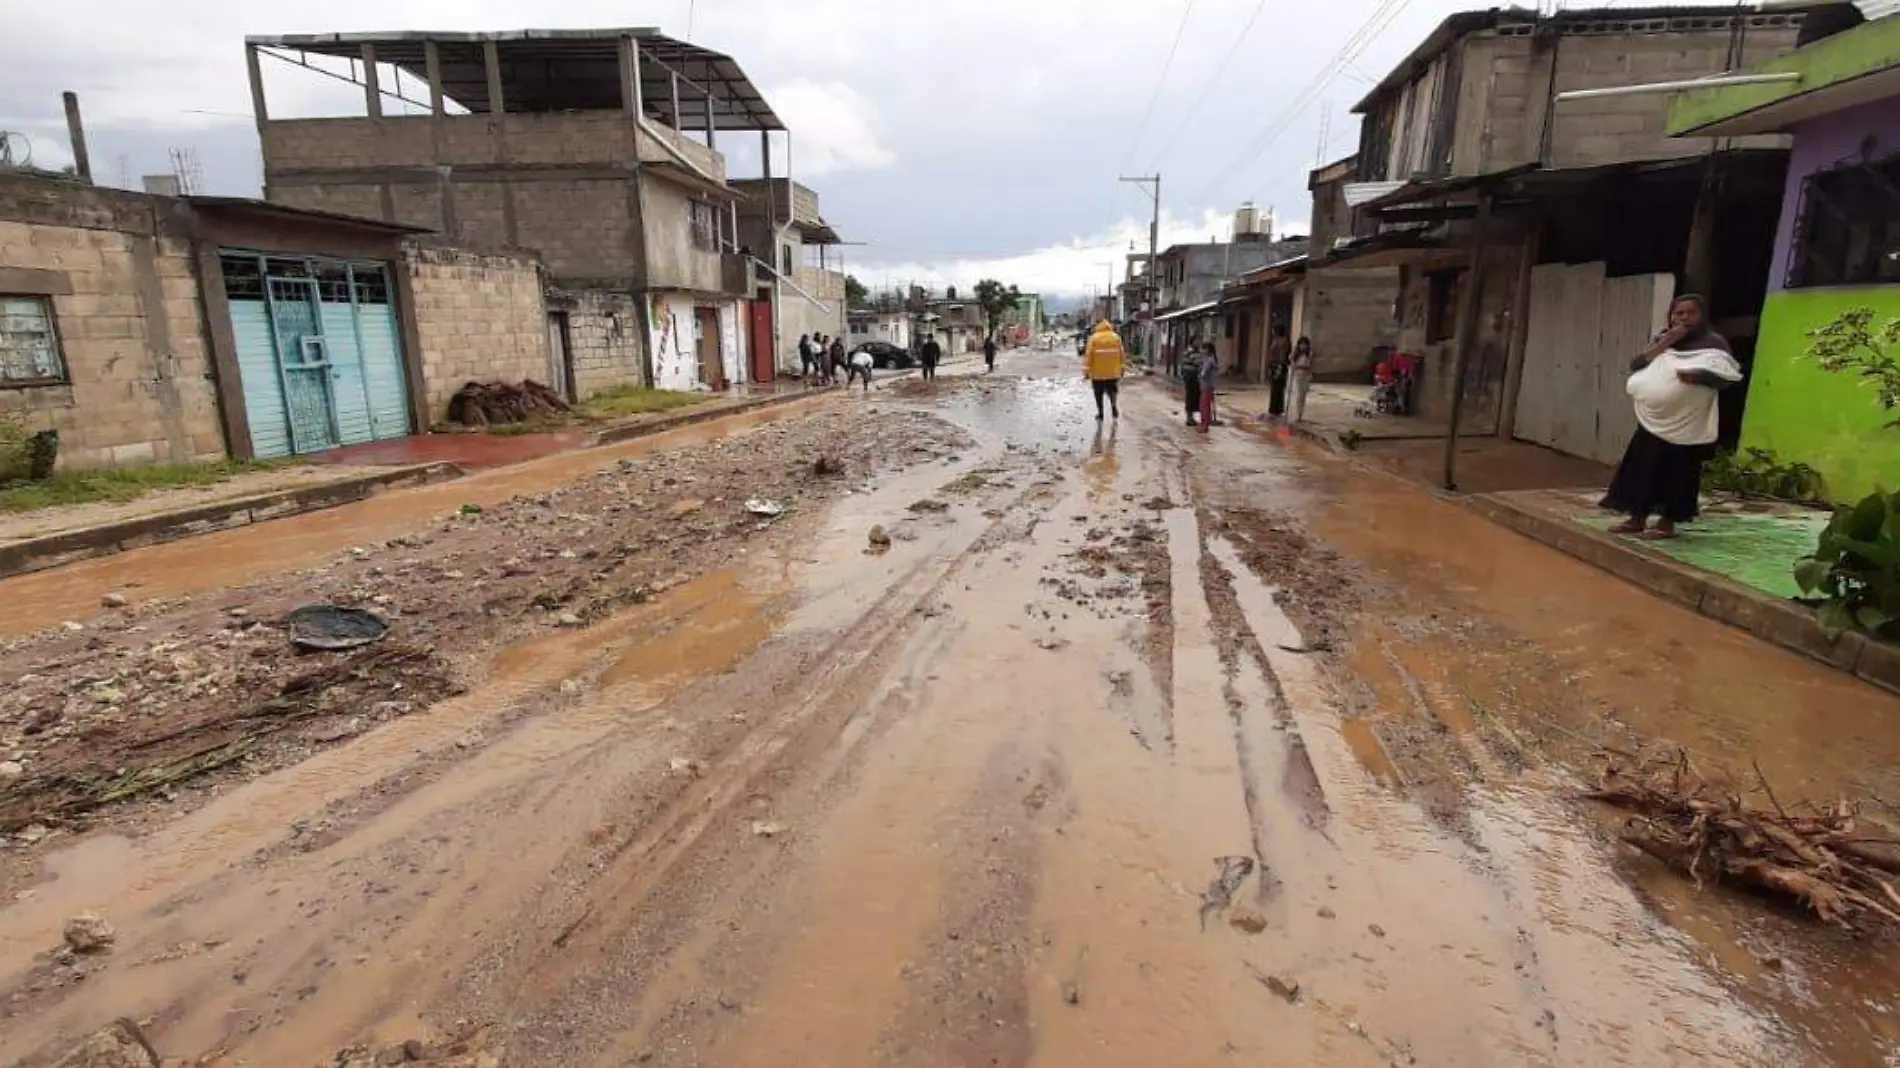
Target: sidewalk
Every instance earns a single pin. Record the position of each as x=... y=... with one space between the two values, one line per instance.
x=332 y=478
x=1735 y=565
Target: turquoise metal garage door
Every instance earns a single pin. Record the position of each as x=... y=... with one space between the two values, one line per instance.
x=317 y=351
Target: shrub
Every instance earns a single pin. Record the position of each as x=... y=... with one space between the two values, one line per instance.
x=1855 y=568
x=1758 y=473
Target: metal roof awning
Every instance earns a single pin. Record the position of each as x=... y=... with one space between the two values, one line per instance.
x=1532 y=182
x=1192 y=312
x=1393 y=248
x=560 y=70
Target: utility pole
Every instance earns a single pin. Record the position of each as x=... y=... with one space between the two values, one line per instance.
x=1150 y=295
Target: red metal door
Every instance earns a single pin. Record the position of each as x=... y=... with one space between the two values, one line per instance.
x=764 y=356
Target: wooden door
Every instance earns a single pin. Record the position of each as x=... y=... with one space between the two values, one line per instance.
x=706 y=336
x=764 y=352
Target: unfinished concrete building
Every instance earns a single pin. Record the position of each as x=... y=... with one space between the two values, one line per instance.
x=597 y=150
x=779 y=222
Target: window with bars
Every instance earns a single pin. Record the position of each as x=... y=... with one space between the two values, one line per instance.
x=1848 y=232
x=705 y=226
x=29 y=342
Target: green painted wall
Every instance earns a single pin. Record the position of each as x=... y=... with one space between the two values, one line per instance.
x=1828 y=420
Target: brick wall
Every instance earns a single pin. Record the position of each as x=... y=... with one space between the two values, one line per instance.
x=479 y=317
x=132 y=337
x=603 y=337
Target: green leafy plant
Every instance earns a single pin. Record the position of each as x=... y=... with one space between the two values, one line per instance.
x=995 y=299
x=1855 y=569
x=1851 y=344
x=1760 y=473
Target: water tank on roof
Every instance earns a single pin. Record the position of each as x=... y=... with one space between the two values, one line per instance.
x=1246 y=220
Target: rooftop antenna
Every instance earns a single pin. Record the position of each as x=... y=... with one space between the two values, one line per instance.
x=189 y=172
x=16 y=151
x=1325 y=131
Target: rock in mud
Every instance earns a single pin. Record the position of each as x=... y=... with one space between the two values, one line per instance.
x=89 y=933
x=1285 y=986
x=122 y=1045
x=1377 y=931
x=113 y=600
x=879 y=538
x=11 y=769
x=1247 y=920
x=1326 y=912
x=929 y=504
x=767 y=828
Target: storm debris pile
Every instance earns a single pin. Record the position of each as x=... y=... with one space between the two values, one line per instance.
x=1824 y=859
x=490 y=403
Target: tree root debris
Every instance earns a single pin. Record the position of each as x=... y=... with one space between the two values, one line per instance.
x=1825 y=859
x=491 y=403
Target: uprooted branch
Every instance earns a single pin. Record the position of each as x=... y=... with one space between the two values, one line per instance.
x=1825 y=859
x=492 y=403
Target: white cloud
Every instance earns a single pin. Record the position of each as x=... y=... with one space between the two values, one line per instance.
x=832 y=128
x=1072 y=268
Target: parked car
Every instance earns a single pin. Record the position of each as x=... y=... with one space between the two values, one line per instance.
x=884 y=354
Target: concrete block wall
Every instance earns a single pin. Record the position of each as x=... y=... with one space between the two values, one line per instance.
x=350 y=198
x=132 y=336
x=479 y=317
x=1346 y=313
x=580 y=227
x=603 y=337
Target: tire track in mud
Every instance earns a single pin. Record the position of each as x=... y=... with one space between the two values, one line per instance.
x=616 y=918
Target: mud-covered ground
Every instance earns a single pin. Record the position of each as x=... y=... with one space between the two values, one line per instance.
x=124 y=717
x=1026 y=740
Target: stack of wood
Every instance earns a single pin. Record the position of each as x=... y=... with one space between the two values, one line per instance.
x=1826 y=859
x=491 y=403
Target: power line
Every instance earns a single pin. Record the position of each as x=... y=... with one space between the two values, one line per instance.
x=1142 y=130
x=1381 y=17
x=1167 y=65
x=1208 y=87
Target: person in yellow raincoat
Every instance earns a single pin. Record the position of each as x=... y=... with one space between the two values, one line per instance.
x=1102 y=360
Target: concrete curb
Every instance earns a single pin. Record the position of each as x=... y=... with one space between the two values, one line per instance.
x=69 y=546
x=613 y=435
x=1771 y=619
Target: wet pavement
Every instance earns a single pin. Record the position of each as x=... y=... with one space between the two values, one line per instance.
x=1135 y=746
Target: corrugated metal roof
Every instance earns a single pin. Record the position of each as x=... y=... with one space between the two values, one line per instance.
x=1878 y=9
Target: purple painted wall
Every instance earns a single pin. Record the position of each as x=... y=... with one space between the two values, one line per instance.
x=1819 y=144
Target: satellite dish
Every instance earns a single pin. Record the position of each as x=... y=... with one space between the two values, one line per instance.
x=16 y=152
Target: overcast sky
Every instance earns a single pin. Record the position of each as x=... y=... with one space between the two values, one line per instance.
x=954 y=139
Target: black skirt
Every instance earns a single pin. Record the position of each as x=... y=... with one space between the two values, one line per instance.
x=1657 y=478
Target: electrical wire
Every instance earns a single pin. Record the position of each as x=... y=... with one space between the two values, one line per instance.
x=1201 y=97
x=1141 y=130
x=1375 y=24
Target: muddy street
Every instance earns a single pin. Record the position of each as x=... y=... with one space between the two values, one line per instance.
x=1003 y=737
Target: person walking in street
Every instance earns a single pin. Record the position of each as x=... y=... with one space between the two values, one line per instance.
x=1210 y=368
x=989 y=355
x=932 y=352
x=1102 y=362
x=1301 y=379
x=1190 y=371
x=804 y=357
x=1279 y=354
x=1674 y=386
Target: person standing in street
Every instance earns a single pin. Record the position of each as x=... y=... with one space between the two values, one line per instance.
x=1210 y=367
x=1279 y=354
x=804 y=357
x=1102 y=361
x=839 y=363
x=1301 y=379
x=932 y=352
x=1189 y=368
x=989 y=355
